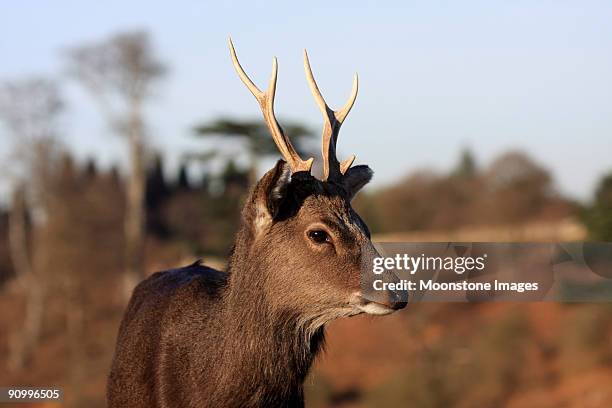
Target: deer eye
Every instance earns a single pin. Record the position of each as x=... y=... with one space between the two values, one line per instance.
x=318 y=236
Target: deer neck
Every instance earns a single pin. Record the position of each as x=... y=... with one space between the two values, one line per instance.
x=267 y=341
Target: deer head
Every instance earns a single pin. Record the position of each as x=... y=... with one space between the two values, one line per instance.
x=302 y=233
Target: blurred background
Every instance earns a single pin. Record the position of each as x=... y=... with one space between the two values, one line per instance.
x=128 y=144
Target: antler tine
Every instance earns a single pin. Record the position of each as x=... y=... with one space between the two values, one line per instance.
x=266 y=102
x=333 y=120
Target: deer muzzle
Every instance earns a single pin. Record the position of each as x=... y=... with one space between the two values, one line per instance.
x=380 y=302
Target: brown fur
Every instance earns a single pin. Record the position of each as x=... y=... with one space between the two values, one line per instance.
x=197 y=337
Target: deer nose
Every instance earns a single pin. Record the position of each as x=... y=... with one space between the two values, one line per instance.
x=392 y=297
x=395 y=300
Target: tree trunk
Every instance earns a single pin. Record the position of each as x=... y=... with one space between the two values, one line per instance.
x=25 y=341
x=135 y=213
x=18 y=240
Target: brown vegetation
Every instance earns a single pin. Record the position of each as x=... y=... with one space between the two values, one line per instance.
x=372 y=359
x=513 y=189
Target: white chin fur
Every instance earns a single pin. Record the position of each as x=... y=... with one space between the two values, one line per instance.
x=373 y=308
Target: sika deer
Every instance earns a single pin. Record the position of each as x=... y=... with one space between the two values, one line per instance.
x=246 y=337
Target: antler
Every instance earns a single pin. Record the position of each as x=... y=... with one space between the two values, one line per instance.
x=266 y=102
x=332 y=169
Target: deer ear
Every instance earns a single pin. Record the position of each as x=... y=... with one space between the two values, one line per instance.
x=355 y=178
x=268 y=194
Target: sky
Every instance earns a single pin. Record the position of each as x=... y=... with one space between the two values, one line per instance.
x=435 y=77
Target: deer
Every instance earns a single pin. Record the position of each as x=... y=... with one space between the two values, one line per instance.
x=247 y=336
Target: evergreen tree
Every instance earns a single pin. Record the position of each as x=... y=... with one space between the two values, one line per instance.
x=598 y=218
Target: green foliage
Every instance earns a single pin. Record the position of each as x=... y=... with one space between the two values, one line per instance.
x=256 y=134
x=466 y=168
x=598 y=216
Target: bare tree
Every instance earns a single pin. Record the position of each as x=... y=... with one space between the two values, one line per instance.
x=29 y=110
x=120 y=73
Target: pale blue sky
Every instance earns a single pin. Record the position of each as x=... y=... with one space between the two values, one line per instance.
x=435 y=76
